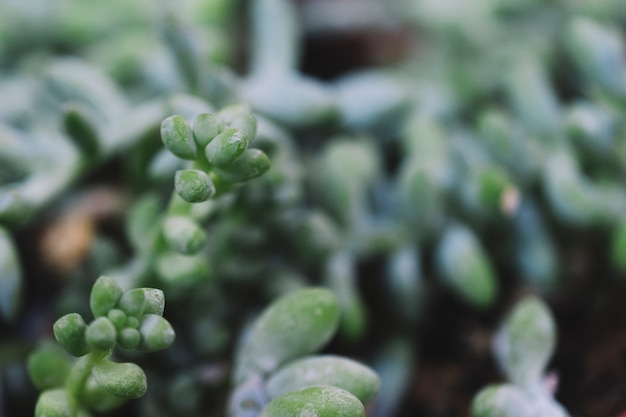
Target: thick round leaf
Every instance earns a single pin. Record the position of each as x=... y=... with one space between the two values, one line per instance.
x=104 y=296
x=101 y=334
x=177 y=136
x=125 y=380
x=320 y=401
x=53 y=403
x=140 y=301
x=69 y=331
x=205 y=128
x=252 y=164
x=226 y=148
x=293 y=326
x=339 y=372
x=156 y=333
x=193 y=185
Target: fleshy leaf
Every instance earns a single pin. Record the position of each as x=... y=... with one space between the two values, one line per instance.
x=194 y=186
x=140 y=301
x=525 y=342
x=101 y=334
x=104 y=296
x=156 y=333
x=125 y=380
x=177 y=136
x=69 y=331
x=183 y=234
x=293 y=326
x=226 y=148
x=48 y=366
x=336 y=371
x=319 y=401
x=53 y=403
x=503 y=400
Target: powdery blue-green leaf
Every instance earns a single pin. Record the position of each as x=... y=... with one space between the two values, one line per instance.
x=336 y=371
x=183 y=234
x=177 y=136
x=525 y=342
x=69 y=331
x=10 y=277
x=293 y=326
x=125 y=380
x=502 y=400
x=104 y=296
x=193 y=185
x=463 y=265
x=319 y=401
x=156 y=333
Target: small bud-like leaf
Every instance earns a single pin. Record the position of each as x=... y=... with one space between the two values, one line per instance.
x=205 y=128
x=140 y=301
x=226 y=148
x=320 y=401
x=177 y=136
x=246 y=123
x=252 y=164
x=69 y=331
x=339 y=372
x=101 y=334
x=128 y=338
x=104 y=296
x=194 y=185
x=125 y=380
x=183 y=234
x=156 y=333
x=117 y=317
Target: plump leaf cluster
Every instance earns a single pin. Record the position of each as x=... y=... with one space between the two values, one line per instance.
x=276 y=374
x=129 y=319
x=219 y=146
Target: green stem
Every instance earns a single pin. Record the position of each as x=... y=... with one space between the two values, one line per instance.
x=77 y=378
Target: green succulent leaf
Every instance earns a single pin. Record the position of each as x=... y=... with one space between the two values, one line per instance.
x=183 y=234
x=140 y=301
x=293 y=326
x=336 y=371
x=48 y=366
x=101 y=334
x=54 y=403
x=252 y=164
x=226 y=148
x=128 y=338
x=319 y=401
x=156 y=333
x=205 y=128
x=525 y=342
x=177 y=136
x=464 y=266
x=502 y=400
x=82 y=128
x=69 y=331
x=117 y=317
x=194 y=186
x=104 y=296
x=125 y=380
